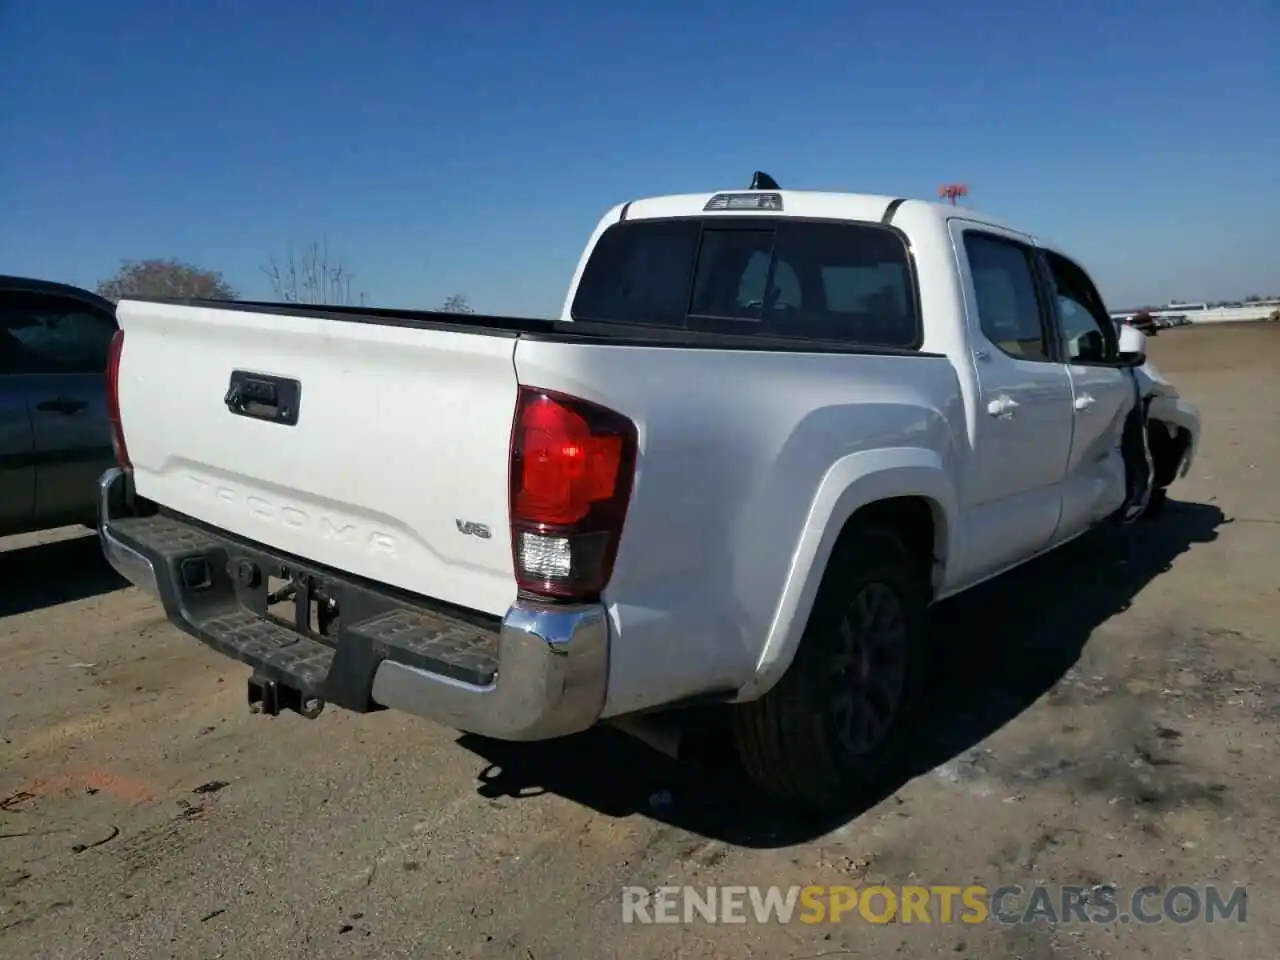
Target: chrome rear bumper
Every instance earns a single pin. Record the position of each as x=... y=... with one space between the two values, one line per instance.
x=539 y=673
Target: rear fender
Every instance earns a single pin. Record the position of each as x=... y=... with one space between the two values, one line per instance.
x=853 y=482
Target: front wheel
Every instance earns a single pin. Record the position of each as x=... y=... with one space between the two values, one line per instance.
x=837 y=727
x=1156 y=504
x=1166 y=455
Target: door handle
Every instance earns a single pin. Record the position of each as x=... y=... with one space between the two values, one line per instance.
x=1002 y=407
x=262 y=396
x=62 y=405
x=1084 y=402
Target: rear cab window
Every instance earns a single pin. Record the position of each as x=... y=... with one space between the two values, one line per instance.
x=834 y=282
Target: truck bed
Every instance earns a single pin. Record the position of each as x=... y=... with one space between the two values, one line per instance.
x=393 y=463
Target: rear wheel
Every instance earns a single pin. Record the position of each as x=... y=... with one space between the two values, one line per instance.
x=837 y=727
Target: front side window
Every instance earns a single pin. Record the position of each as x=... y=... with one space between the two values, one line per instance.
x=1087 y=331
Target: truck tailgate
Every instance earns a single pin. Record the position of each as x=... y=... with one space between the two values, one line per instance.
x=396 y=466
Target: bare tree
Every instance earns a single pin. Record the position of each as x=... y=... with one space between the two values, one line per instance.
x=165 y=278
x=312 y=275
x=457 y=303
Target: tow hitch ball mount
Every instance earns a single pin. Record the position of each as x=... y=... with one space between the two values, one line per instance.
x=268 y=697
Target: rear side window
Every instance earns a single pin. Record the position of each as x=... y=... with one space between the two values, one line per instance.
x=1004 y=284
x=842 y=282
x=48 y=333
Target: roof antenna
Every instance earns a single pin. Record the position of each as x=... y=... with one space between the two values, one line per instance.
x=762 y=181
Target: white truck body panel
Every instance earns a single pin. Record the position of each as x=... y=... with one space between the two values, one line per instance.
x=714 y=566
x=750 y=460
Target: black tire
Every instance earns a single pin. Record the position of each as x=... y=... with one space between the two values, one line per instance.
x=1166 y=454
x=789 y=741
x=1156 y=504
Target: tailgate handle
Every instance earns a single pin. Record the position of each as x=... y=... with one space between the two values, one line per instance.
x=262 y=396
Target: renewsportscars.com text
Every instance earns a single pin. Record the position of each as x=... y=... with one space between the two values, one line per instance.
x=940 y=904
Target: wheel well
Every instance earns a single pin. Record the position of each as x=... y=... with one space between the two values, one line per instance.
x=1166 y=450
x=916 y=520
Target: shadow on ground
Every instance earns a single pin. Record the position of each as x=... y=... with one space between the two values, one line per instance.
x=46 y=574
x=997 y=649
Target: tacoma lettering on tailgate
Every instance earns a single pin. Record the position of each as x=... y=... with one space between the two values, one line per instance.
x=313 y=523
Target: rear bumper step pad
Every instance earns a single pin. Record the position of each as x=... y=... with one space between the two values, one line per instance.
x=540 y=672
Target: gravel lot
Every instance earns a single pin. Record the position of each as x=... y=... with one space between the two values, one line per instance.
x=1118 y=724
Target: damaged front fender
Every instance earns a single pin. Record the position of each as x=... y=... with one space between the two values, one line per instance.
x=1167 y=411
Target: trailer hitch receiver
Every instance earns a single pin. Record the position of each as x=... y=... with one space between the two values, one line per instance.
x=268 y=697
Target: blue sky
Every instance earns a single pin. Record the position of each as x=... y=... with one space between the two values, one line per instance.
x=470 y=147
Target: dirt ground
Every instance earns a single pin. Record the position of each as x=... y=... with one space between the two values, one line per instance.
x=1116 y=725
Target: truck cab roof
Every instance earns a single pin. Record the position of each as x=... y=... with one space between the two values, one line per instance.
x=814 y=204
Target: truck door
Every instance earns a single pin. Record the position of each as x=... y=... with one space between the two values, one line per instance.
x=1102 y=396
x=1012 y=494
x=62 y=351
x=17 y=448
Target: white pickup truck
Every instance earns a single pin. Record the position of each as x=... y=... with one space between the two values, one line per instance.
x=768 y=430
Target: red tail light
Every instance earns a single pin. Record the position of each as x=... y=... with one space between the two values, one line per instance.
x=572 y=465
x=113 y=400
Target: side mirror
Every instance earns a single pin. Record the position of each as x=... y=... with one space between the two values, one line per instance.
x=1132 y=340
x=1133 y=346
